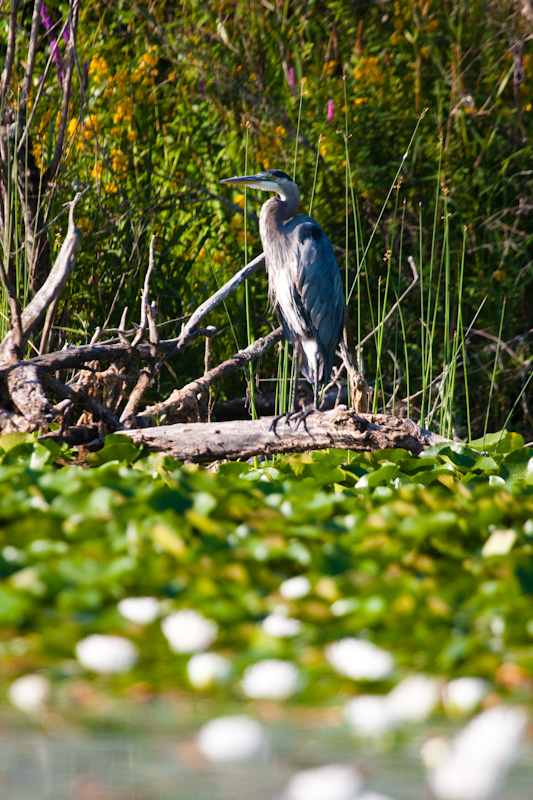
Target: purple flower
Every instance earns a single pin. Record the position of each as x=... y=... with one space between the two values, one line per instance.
x=56 y=55
x=201 y=85
x=85 y=75
x=330 y=116
x=292 y=82
x=45 y=17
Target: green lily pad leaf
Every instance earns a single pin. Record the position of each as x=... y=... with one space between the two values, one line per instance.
x=10 y=440
x=45 y=452
x=204 y=503
x=13 y=607
x=380 y=477
x=234 y=469
x=461 y=456
x=499 y=543
x=156 y=463
x=117 y=447
x=517 y=465
x=499 y=442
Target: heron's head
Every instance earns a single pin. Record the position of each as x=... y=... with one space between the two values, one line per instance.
x=271 y=180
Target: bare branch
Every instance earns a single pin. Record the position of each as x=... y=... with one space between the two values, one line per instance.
x=83 y=400
x=66 y=259
x=185 y=403
x=341 y=428
x=147 y=315
x=187 y=332
x=30 y=62
x=13 y=349
x=67 y=83
x=14 y=423
x=27 y=393
x=10 y=51
x=145 y=296
x=40 y=91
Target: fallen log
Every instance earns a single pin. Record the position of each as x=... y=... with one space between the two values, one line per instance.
x=241 y=439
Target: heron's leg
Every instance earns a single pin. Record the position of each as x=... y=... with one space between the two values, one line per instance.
x=297 y=360
x=316 y=384
x=302 y=415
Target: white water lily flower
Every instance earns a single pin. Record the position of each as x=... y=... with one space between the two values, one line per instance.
x=30 y=693
x=463 y=695
x=332 y=781
x=205 y=670
x=107 y=654
x=414 y=698
x=294 y=588
x=280 y=626
x=187 y=631
x=473 y=766
x=142 y=610
x=271 y=679
x=493 y=735
x=369 y=715
x=359 y=659
x=232 y=738
x=373 y=796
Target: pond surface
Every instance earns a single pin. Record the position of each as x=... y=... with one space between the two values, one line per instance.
x=147 y=759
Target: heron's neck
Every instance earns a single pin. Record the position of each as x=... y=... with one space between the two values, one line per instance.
x=276 y=211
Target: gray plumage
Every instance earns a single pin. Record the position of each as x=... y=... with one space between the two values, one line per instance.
x=304 y=280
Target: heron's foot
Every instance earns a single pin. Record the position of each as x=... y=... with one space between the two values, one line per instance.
x=286 y=415
x=300 y=417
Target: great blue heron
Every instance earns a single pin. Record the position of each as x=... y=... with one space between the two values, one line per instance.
x=304 y=280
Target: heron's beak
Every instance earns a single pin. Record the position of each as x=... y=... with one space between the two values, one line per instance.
x=255 y=182
x=248 y=180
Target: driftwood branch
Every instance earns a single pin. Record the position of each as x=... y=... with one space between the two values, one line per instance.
x=82 y=399
x=10 y=50
x=186 y=403
x=73 y=357
x=242 y=439
x=67 y=84
x=147 y=318
x=35 y=311
x=187 y=332
x=27 y=393
x=30 y=61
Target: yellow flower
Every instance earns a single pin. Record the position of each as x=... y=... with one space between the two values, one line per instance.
x=124 y=112
x=132 y=135
x=90 y=128
x=368 y=72
x=120 y=163
x=328 y=68
x=98 y=69
x=71 y=129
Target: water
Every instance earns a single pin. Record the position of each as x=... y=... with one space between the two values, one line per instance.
x=149 y=759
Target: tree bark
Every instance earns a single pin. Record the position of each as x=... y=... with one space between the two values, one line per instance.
x=242 y=439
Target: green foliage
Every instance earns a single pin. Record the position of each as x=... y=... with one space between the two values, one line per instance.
x=175 y=100
x=428 y=556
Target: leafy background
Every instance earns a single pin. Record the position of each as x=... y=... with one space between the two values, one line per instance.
x=169 y=100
